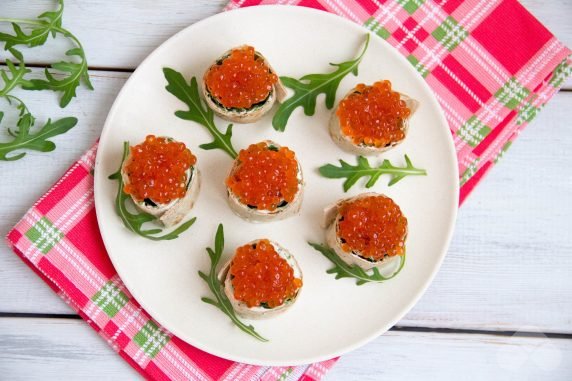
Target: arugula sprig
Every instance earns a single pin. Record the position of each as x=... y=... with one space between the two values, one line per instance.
x=46 y=23
x=343 y=270
x=37 y=33
x=76 y=73
x=307 y=89
x=135 y=221
x=215 y=285
x=353 y=173
x=198 y=111
x=15 y=76
x=37 y=141
x=23 y=139
x=50 y=23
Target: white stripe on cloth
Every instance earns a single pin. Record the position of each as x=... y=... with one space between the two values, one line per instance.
x=388 y=11
x=68 y=218
x=343 y=10
x=317 y=371
x=411 y=35
x=230 y=376
x=74 y=259
x=437 y=60
x=156 y=339
x=243 y=369
x=108 y=294
x=262 y=370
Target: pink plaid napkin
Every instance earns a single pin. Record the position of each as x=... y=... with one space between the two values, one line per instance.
x=492 y=67
x=59 y=239
x=490 y=63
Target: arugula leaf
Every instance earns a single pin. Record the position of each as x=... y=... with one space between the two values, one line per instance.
x=198 y=111
x=77 y=72
x=343 y=270
x=40 y=29
x=47 y=22
x=353 y=173
x=222 y=302
x=50 y=23
x=307 y=89
x=135 y=221
x=16 y=76
x=38 y=141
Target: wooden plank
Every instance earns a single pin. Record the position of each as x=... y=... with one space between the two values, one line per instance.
x=55 y=349
x=508 y=267
x=448 y=356
x=115 y=34
x=119 y=34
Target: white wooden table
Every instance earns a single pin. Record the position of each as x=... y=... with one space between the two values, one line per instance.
x=500 y=308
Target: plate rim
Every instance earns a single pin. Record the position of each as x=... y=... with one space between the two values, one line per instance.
x=453 y=208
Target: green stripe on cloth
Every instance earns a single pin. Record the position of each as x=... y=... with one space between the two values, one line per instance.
x=411 y=5
x=151 y=339
x=502 y=151
x=376 y=28
x=450 y=34
x=526 y=113
x=470 y=171
x=512 y=94
x=110 y=299
x=562 y=71
x=418 y=66
x=44 y=235
x=473 y=132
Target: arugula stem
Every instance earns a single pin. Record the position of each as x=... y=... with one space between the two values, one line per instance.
x=15 y=98
x=70 y=35
x=21 y=21
x=60 y=30
x=397 y=171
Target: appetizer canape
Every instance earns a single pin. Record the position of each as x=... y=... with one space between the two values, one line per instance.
x=262 y=279
x=161 y=177
x=371 y=119
x=366 y=230
x=241 y=86
x=265 y=183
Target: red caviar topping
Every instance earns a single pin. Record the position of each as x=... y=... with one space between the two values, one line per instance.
x=259 y=275
x=241 y=80
x=157 y=170
x=373 y=115
x=372 y=227
x=265 y=176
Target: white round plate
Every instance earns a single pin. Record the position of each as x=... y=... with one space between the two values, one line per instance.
x=331 y=316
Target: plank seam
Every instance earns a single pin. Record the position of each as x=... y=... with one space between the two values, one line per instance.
x=529 y=334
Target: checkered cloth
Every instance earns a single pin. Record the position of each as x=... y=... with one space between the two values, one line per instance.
x=491 y=65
